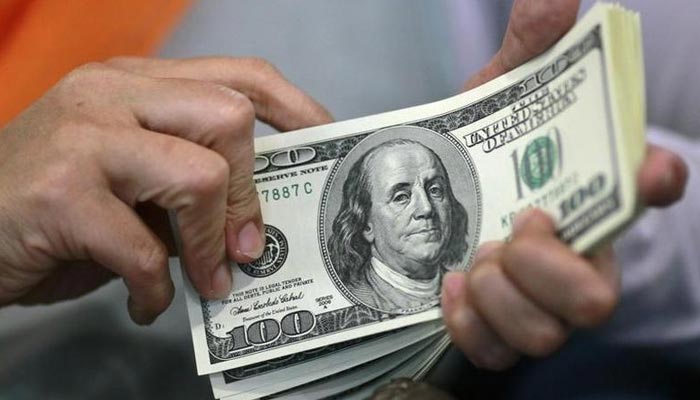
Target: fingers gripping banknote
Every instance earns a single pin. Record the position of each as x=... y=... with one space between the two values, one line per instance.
x=364 y=217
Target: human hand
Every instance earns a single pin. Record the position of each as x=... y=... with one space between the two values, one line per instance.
x=128 y=132
x=524 y=296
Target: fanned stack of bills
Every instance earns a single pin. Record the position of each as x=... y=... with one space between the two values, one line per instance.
x=364 y=217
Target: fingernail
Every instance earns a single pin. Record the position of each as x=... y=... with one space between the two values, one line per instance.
x=221 y=281
x=521 y=219
x=250 y=241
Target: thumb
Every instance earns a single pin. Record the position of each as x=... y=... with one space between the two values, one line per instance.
x=662 y=177
x=244 y=228
x=533 y=27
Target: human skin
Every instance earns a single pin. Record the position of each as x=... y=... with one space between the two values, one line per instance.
x=408 y=224
x=87 y=171
x=525 y=296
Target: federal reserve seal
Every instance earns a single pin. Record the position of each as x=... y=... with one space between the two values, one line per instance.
x=274 y=255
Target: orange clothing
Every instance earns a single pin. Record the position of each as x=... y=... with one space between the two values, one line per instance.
x=42 y=40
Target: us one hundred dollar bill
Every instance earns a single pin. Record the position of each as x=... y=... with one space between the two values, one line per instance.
x=279 y=375
x=364 y=217
x=360 y=382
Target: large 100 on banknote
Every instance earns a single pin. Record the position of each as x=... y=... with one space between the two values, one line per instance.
x=364 y=217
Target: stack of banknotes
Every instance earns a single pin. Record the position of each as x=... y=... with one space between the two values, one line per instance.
x=364 y=217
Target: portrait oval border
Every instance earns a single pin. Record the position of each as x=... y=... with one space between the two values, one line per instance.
x=450 y=142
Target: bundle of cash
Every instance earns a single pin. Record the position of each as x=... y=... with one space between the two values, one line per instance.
x=364 y=217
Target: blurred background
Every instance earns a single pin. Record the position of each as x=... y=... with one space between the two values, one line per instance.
x=357 y=58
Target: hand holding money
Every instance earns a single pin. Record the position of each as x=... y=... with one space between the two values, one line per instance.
x=112 y=136
x=381 y=200
x=536 y=289
x=653 y=174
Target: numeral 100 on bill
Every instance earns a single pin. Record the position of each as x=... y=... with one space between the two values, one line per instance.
x=268 y=330
x=540 y=162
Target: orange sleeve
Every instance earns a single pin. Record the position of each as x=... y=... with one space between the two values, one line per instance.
x=42 y=40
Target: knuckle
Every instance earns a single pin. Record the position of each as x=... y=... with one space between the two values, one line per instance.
x=236 y=112
x=85 y=75
x=73 y=168
x=88 y=69
x=538 y=217
x=593 y=307
x=523 y=254
x=263 y=67
x=149 y=265
x=120 y=61
x=208 y=176
x=544 y=340
x=33 y=244
x=244 y=198
x=269 y=82
x=74 y=136
x=243 y=188
x=207 y=254
x=56 y=187
x=480 y=279
x=93 y=81
x=520 y=248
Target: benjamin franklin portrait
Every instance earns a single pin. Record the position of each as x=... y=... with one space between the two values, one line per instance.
x=399 y=227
